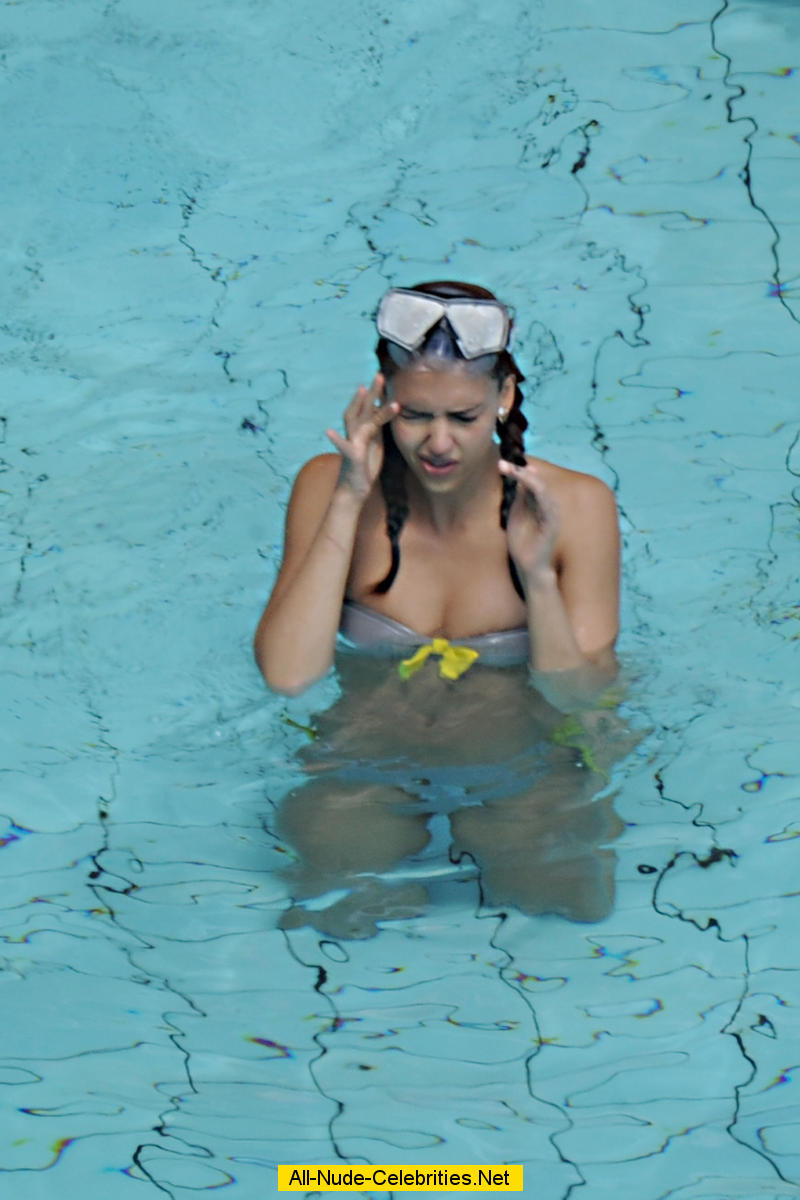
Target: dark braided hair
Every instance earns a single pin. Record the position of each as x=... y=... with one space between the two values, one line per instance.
x=510 y=431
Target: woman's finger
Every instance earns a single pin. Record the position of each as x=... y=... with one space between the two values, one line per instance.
x=364 y=405
x=360 y=429
x=372 y=421
x=528 y=476
x=383 y=413
x=512 y=468
x=533 y=490
x=373 y=401
x=377 y=388
x=341 y=444
x=365 y=396
x=364 y=432
x=357 y=405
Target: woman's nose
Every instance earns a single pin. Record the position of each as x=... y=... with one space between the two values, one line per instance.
x=440 y=438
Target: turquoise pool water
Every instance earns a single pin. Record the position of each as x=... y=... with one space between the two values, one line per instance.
x=202 y=205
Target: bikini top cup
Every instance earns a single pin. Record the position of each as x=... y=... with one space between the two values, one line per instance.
x=372 y=633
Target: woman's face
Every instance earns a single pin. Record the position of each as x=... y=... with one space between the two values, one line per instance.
x=444 y=429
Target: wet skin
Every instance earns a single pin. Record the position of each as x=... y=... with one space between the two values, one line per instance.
x=540 y=840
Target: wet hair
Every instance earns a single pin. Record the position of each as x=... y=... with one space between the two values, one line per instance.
x=440 y=343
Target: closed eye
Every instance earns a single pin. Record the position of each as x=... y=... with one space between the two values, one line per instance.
x=410 y=414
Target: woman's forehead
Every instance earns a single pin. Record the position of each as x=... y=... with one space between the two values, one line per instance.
x=442 y=387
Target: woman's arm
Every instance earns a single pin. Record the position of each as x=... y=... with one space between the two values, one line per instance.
x=566 y=551
x=295 y=639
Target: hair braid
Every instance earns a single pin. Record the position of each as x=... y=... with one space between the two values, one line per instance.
x=393 y=487
x=512 y=449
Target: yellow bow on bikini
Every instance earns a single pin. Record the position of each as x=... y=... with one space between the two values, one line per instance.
x=455 y=659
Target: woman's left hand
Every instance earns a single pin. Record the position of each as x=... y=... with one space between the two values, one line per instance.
x=533 y=522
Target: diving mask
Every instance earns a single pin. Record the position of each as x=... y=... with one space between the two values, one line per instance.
x=480 y=326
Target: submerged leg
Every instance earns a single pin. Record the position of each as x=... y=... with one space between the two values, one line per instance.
x=344 y=834
x=545 y=850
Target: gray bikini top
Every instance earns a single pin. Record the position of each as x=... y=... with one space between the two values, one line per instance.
x=373 y=633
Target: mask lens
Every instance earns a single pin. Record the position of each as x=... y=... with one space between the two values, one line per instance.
x=480 y=328
x=405 y=317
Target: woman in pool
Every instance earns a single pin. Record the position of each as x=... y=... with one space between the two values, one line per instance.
x=424 y=537
x=491 y=540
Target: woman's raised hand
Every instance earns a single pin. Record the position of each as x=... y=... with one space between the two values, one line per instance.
x=362 y=446
x=533 y=523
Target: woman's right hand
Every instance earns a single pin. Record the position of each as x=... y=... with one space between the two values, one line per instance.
x=362 y=446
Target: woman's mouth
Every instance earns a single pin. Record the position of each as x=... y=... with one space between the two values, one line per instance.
x=438 y=467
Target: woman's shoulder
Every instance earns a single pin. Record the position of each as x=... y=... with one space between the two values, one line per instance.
x=319 y=470
x=312 y=491
x=587 y=510
x=587 y=518
x=572 y=486
x=316 y=483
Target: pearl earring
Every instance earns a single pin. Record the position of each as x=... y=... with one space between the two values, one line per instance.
x=501 y=415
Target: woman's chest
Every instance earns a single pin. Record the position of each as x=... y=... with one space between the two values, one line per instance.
x=457 y=585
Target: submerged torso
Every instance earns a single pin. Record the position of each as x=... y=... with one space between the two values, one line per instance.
x=490 y=714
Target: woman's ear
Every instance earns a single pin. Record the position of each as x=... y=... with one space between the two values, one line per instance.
x=508 y=391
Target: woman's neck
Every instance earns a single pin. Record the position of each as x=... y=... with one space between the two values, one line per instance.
x=446 y=512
